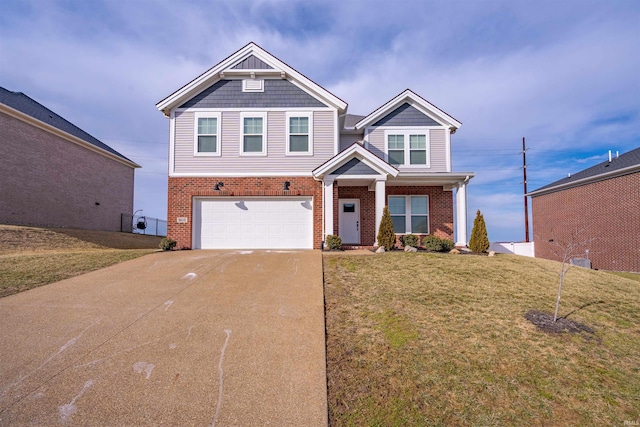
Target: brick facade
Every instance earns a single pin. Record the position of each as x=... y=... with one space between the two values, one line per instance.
x=440 y=209
x=607 y=211
x=182 y=190
x=46 y=180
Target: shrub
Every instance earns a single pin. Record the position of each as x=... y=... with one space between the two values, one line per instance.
x=333 y=242
x=479 y=241
x=167 y=244
x=410 y=240
x=436 y=244
x=447 y=245
x=432 y=243
x=386 y=235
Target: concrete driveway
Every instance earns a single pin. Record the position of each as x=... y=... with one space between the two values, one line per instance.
x=191 y=338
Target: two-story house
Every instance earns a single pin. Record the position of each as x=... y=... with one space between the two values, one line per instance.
x=261 y=157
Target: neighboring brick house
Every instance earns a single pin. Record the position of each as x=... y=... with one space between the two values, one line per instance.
x=53 y=173
x=260 y=156
x=600 y=206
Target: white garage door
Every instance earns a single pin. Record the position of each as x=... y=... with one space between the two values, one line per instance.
x=253 y=223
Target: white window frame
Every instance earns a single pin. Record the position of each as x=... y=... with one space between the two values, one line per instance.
x=207 y=115
x=246 y=115
x=408 y=214
x=245 y=87
x=309 y=116
x=407 y=132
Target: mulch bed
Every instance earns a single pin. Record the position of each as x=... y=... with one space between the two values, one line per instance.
x=544 y=321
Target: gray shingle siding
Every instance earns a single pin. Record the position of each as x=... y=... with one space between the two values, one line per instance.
x=21 y=102
x=252 y=63
x=354 y=167
x=228 y=94
x=406 y=115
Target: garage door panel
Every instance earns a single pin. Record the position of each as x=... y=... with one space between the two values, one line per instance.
x=253 y=223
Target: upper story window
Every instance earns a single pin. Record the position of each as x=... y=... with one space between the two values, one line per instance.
x=253 y=134
x=410 y=214
x=416 y=153
x=207 y=134
x=299 y=133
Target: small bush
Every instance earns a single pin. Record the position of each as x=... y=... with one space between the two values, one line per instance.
x=410 y=240
x=432 y=243
x=167 y=244
x=436 y=244
x=333 y=242
x=386 y=235
x=447 y=245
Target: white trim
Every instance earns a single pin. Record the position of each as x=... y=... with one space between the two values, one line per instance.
x=206 y=115
x=407 y=132
x=414 y=100
x=258 y=109
x=381 y=202
x=64 y=135
x=327 y=201
x=172 y=143
x=239 y=174
x=212 y=75
x=248 y=115
x=360 y=177
x=355 y=150
x=447 y=142
x=461 y=214
x=288 y=116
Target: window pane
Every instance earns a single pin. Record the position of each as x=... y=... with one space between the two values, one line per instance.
x=207 y=125
x=399 y=224
x=396 y=206
x=396 y=142
x=418 y=141
x=253 y=125
x=253 y=144
x=207 y=144
x=299 y=125
x=419 y=224
x=418 y=157
x=418 y=205
x=396 y=157
x=299 y=143
x=349 y=207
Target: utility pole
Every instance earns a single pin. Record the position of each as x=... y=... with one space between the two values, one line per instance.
x=526 y=206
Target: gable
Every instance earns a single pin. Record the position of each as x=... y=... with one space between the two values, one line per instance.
x=354 y=167
x=406 y=115
x=277 y=94
x=252 y=63
x=242 y=64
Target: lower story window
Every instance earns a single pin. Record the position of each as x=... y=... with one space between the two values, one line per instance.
x=410 y=214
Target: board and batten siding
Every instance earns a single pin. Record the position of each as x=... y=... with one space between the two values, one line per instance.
x=231 y=162
x=437 y=153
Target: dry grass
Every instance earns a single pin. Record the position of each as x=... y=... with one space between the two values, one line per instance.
x=31 y=257
x=429 y=339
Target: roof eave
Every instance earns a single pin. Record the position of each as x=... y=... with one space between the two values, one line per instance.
x=584 y=181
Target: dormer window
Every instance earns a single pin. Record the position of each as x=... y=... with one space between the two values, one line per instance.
x=253 y=85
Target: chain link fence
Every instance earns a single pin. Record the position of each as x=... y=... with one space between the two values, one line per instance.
x=142 y=224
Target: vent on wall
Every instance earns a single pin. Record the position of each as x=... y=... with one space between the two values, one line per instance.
x=253 y=85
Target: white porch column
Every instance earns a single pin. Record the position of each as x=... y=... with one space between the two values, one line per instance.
x=327 y=202
x=380 y=204
x=461 y=214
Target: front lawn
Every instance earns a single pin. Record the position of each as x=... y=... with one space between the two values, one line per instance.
x=433 y=339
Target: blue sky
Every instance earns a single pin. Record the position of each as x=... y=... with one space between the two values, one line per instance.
x=565 y=74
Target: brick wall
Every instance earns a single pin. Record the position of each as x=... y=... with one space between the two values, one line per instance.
x=606 y=211
x=183 y=189
x=440 y=209
x=48 y=181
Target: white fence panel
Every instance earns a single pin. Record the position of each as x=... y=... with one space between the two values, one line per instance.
x=516 y=248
